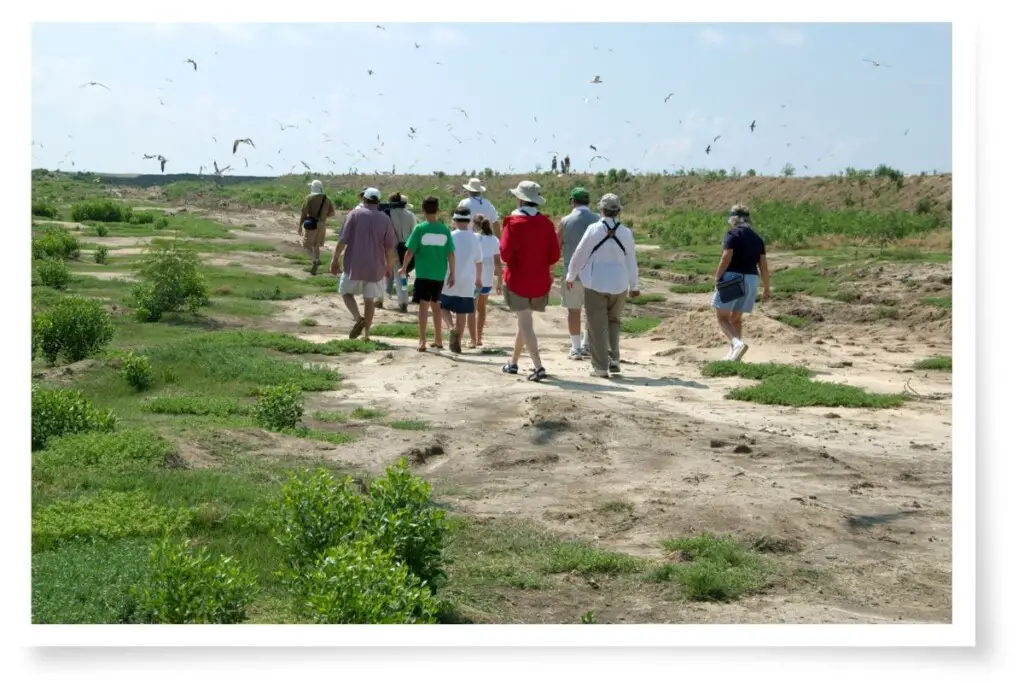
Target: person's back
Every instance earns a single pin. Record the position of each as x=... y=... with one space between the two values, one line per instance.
x=480 y=204
x=529 y=247
x=610 y=267
x=367 y=234
x=467 y=253
x=430 y=243
x=404 y=221
x=747 y=248
x=573 y=227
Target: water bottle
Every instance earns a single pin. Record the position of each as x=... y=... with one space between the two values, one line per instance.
x=405 y=282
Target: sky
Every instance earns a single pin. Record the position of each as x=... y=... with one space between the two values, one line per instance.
x=525 y=90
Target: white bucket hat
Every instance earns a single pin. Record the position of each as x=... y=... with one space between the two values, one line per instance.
x=316 y=187
x=528 y=191
x=474 y=185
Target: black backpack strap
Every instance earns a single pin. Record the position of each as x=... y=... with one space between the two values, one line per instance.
x=322 y=202
x=609 y=235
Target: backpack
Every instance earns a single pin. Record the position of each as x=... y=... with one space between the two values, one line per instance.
x=609 y=235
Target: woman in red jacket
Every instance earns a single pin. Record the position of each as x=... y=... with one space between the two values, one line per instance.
x=530 y=249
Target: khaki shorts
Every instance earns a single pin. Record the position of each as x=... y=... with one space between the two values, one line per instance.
x=368 y=290
x=518 y=303
x=572 y=298
x=314 y=238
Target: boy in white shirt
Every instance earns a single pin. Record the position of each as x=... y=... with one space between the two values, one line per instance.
x=459 y=298
x=605 y=263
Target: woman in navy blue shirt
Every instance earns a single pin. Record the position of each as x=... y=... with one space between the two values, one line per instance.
x=743 y=262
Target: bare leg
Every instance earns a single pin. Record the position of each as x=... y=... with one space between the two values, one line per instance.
x=517 y=348
x=725 y=322
x=481 y=317
x=736 y=319
x=471 y=322
x=352 y=306
x=369 y=306
x=435 y=310
x=575 y=321
x=423 y=323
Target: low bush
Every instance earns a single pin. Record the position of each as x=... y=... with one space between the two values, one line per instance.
x=104 y=210
x=44 y=209
x=57 y=412
x=169 y=281
x=75 y=328
x=106 y=515
x=100 y=255
x=56 y=242
x=793 y=390
x=278 y=407
x=188 y=586
x=136 y=370
x=128 y=448
x=54 y=273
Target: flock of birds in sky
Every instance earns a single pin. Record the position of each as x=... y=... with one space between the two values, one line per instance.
x=357 y=156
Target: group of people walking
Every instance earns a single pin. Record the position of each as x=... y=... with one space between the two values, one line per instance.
x=459 y=263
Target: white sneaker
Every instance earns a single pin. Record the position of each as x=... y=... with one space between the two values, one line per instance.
x=732 y=353
x=738 y=351
x=575 y=354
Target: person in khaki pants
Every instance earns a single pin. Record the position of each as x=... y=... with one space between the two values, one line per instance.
x=605 y=264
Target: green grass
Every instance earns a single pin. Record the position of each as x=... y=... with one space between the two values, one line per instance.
x=639 y=325
x=791 y=320
x=728 y=368
x=713 y=568
x=207 y=246
x=945 y=302
x=410 y=425
x=319 y=435
x=792 y=390
x=809 y=282
x=694 y=288
x=645 y=299
x=367 y=413
x=400 y=330
x=308 y=322
x=935 y=363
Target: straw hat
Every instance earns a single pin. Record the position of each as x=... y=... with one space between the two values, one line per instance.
x=474 y=185
x=528 y=191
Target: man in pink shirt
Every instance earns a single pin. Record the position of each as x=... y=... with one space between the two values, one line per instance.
x=368 y=242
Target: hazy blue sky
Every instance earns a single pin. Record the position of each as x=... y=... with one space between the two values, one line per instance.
x=815 y=101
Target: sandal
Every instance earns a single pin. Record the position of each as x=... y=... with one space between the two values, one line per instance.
x=357 y=328
x=510 y=369
x=454 y=343
x=537 y=375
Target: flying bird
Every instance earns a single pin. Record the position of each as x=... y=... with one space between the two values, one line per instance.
x=716 y=138
x=195 y=67
x=593 y=148
x=93 y=83
x=462 y=110
x=412 y=131
x=247 y=141
x=874 y=63
x=286 y=127
x=905 y=132
x=214 y=139
x=752 y=125
x=597 y=157
x=369 y=71
x=163 y=162
x=304 y=164
x=668 y=97
x=417 y=45
x=596 y=80
x=246 y=162
x=707 y=150
x=269 y=166
x=380 y=27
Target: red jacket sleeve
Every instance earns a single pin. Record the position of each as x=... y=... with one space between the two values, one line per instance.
x=505 y=244
x=554 y=248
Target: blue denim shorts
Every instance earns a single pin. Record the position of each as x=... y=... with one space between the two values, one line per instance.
x=482 y=290
x=458 y=304
x=745 y=304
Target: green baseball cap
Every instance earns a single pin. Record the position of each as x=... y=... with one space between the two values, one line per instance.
x=580 y=194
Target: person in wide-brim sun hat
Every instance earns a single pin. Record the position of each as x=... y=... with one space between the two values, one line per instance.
x=529 y=192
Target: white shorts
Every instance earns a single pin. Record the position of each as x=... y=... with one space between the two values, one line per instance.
x=572 y=298
x=368 y=290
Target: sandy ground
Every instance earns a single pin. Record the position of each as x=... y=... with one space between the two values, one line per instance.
x=863 y=497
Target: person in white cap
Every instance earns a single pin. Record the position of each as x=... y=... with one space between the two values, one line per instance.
x=477 y=203
x=529 y=248
x=367 y=240
x=605 y=263
x=404 y=221
x=316 y=209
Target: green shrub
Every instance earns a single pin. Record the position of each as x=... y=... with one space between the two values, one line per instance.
x=57 y=412
x=793 y=390
x=102 y=231
x=143 y=218
x=44 y=210
x=361 y=583
x=88 y=582
x=188 y=586
x=278 y=407
x=76 y=327
x=54 y=273
x=161 y=222
x=401 y=517
x=104 y=210
x=717 y=569
x=100 y=255
x=730 y=368
x=316 y=512
x=56 y=242
x=108 y=515
x=935 y=363
x=169 y=281
x=136 y=370
x=924 y=205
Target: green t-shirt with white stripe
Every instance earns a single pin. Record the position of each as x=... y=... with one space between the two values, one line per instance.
x=430 y=243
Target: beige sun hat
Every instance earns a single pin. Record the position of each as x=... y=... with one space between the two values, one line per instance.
x=528 y=191
x=474 y=185
x=610 y=202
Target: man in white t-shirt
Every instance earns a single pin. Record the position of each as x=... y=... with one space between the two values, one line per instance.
x=459 y=298
x=477 y=203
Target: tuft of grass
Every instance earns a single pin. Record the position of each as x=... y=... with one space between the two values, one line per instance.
x=272 y=294
x=796 y=391
x=411 y=425
x=195 y=405
x=581 y=558
x=945 y=302
x=730 y=368
x=640 y=325
x=935 y=363
x=400 y=330
x=714 y=568
x=617 y=507
x=645 y=299
x=367 y=413
x=308 y=322
x=792 y=320
x=318 y=435
x=694 y=288
x=120 y=449
x=325 y=416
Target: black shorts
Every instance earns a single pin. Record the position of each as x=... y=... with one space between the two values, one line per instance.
x=426 y=290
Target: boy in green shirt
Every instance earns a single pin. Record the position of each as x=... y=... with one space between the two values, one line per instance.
x=432 y=246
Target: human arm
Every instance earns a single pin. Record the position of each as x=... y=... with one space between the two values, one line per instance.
x=765 y=277
x=339 y=248
x=451 y=261
x=497 y=274
x=390 y=246
x=632 y=269
x=506 y=245
x=330 y=208
x=727 y=250
x=411 y=246
x=478 y=259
